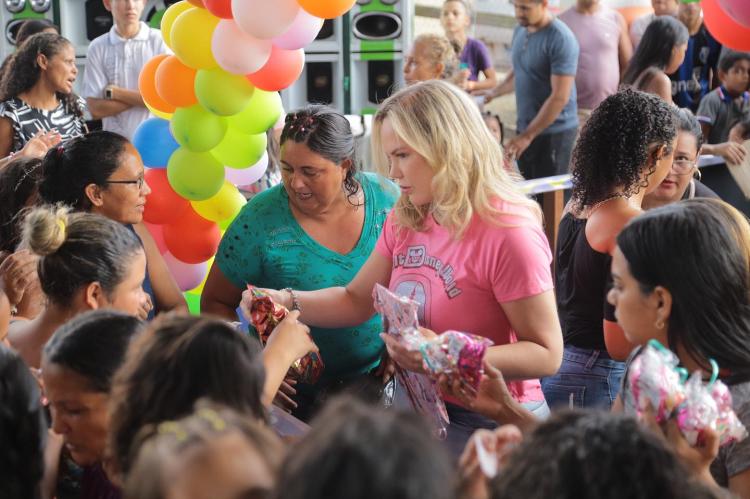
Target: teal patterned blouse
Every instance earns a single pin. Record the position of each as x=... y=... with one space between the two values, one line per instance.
x=266 y=247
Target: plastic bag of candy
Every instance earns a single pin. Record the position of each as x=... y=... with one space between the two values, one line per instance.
x=265 y=315
x=457 y=355
x=399 y=317
x=728 y=425
x=655 y=381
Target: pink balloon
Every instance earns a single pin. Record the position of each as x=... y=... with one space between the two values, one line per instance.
x=739 y=10
x=264 y=19
x=187 y=275
x=303 y=30
x=157 y=232
x=247 y=176
x=237 y=52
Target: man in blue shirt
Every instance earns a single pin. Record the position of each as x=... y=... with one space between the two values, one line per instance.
x=545 y=58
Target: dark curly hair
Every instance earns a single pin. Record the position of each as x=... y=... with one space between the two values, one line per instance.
x=22 y=429
x=616 y=145
x=176 y=361
x=23 y=71
x=18 y=185
x=598 y=455
x=328 y=133
x=89 y=159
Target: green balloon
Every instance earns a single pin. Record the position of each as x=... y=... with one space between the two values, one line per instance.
x=240 y=150
x=194 y=175
x=222 y=93
x=196 y=129
x=260 y=114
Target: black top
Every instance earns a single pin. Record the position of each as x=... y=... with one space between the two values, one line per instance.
x=582 y=279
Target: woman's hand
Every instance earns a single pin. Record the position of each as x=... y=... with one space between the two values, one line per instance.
x=40 y=143
x=411 y=360
x=280 y=297
x=283 y=398
x=146 y=306
x=18 y=272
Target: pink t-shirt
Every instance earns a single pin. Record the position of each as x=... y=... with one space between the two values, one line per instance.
x=598 y=36
x=461 y=284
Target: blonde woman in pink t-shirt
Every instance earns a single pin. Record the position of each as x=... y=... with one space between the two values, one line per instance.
x=462 y=240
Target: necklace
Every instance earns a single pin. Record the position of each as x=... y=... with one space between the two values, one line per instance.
x=598 y=204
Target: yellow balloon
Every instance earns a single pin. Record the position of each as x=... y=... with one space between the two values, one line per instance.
x=169 y=17
x=157 y=113
x=199 y=288
x=191 y=38
x=223 y=205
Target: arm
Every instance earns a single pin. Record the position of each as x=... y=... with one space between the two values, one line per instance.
x=625 y=46
x=660 y=85
x=506 y=87
x=562 y=86
x=130 y=97
x=103 y=108
x=220 y=296
x=739 y=484
x=167 y=293
x=6 y=137
x=342 y=306
x=538 y=351
x=489 y=82
x=732 y=152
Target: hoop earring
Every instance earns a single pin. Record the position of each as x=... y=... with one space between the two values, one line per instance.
x=659 y=324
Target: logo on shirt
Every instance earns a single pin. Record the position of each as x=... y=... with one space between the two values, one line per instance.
x=416 y=256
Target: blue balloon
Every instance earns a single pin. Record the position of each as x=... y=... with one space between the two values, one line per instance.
x=154 y=142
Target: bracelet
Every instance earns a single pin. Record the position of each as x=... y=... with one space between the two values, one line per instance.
x=295 y=299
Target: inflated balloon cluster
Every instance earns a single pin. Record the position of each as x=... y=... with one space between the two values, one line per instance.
x=265 y=315
x=656 y=380
x=214 y=100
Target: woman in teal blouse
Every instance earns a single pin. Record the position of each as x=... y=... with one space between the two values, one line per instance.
x=314 y=231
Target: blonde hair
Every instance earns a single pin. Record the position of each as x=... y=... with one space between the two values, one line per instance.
x=439 y=50
x=45 y=229
x=442 y=124
x=157 y=446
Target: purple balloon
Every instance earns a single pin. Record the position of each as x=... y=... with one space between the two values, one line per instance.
x=247 y=176
x=187 y=275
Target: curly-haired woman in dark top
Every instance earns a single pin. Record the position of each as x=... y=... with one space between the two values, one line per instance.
x=624 y=151
x=36 y=93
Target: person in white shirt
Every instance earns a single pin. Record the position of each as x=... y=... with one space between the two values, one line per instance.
x=113 y=62
x=639 y=25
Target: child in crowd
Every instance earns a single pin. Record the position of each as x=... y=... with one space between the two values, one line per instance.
x=725 y=106
x=214 y=452
x=474 y=56
x=431 y=57
x=494 y=125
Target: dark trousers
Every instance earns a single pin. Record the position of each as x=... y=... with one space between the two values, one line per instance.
x=548 y=155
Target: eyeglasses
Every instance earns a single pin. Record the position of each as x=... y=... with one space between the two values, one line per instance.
x=683 y=166
x=139 y=182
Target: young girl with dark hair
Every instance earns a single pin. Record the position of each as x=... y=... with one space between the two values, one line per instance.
x=624 y=152
x=313 y=231
x=673 y=284
x=660 y=53
x=37 y=93
x=85 y=262
x=101 y=172
x=78 y=366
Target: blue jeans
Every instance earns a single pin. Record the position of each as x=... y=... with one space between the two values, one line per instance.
x=465 y=422
x=587 y=378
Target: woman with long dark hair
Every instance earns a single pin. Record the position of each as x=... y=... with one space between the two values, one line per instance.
x=660 y=53
x=681 y=276
x=36 y=93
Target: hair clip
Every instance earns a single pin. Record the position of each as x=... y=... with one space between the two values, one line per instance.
x=60 y=151
x=173 y=428
x=61 y=225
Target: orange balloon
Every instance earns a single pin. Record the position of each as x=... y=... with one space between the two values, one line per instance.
x=282 y=69
x=175 y=82
x=632 y=13
x=197 y=3
x=147 y=85
x=327 y=9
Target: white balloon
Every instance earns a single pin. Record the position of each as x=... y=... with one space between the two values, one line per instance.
x=247 y=176
x=237 y=52
x=264 y=19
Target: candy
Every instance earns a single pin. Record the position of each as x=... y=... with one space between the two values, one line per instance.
x=456 y=354
x=265 y=315
x=654 y=381
x=399 y=317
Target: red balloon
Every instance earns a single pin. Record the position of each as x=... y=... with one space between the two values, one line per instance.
x=157 y=232
x=726 y=30
x=282 y=69
x=192 y=238
x=163 y=205
x=219 y=8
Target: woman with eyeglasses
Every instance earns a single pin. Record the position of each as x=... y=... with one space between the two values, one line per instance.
x=681 y=183
x=101 y=172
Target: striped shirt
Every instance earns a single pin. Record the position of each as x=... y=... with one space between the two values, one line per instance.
x=27 y=121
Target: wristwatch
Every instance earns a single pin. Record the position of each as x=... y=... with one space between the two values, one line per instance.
x=108 y=93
